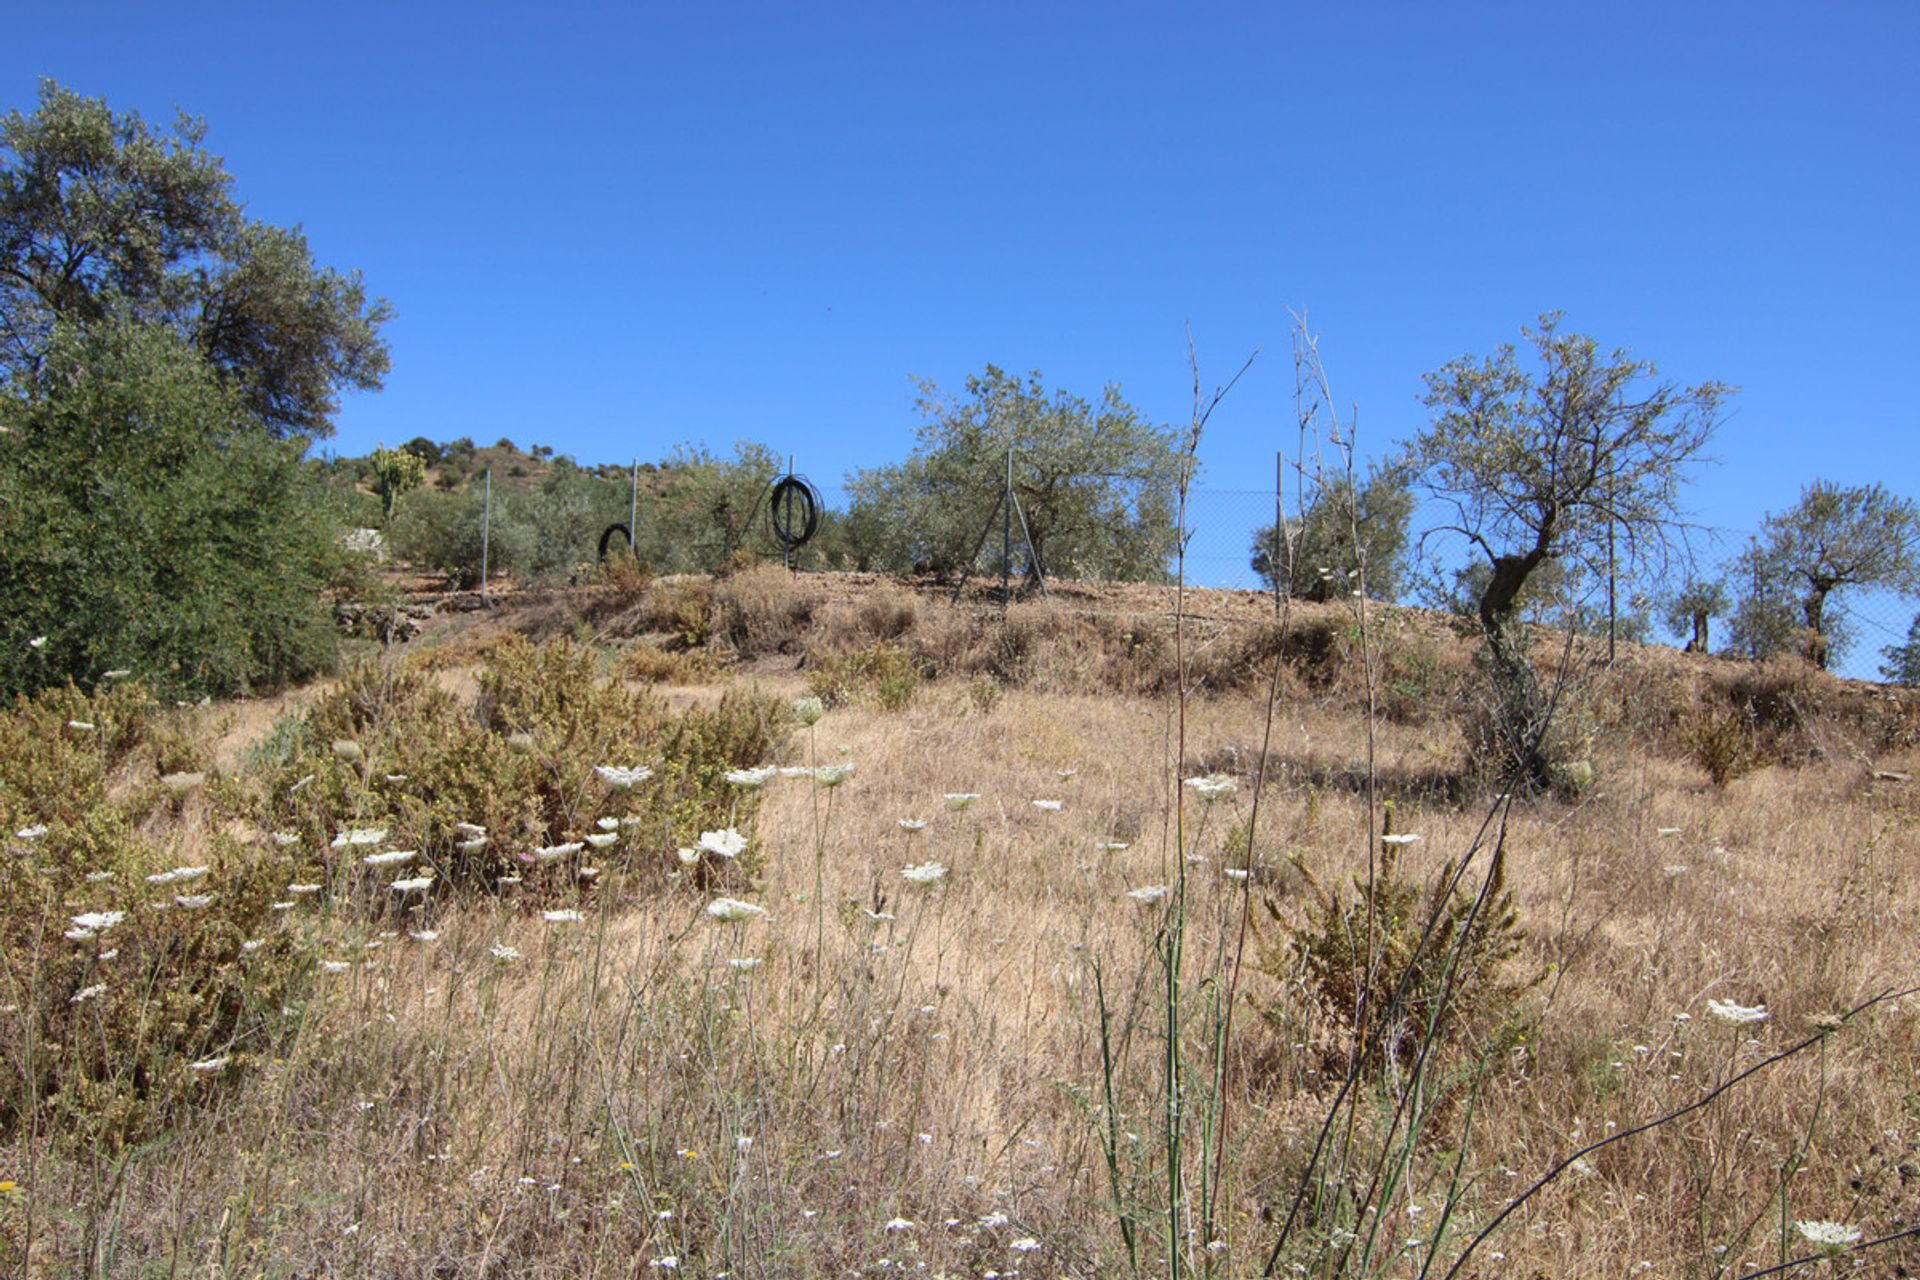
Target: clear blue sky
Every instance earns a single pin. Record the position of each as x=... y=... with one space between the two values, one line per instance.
x=614 y=228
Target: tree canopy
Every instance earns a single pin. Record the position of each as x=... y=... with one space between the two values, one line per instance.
x=101 y=215
x=1095 y=483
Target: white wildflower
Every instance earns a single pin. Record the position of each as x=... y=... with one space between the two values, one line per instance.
x=795 y=771
x=98 y=921
x=474 y=845
x=899 y=1224
x=504 y=953
x=1830 y=1236
x=1666 y=831
x=808 y=710
x=960 y=799
x=566 y=916
x=1212 y=786
x=99 y=877
x=33 y=832
x=732 y=910
x=1238 y=873
x=555 y=852
x=423 y=935
x=118 y=673
x=1737 y=1014
x=925 y=874
x=192 y=901
x=207 y=1066
x=1400 y=839
x=688 y=857
x=1026 y=1244
x=750 y=777
x=416 y=885
x=391 y=858
x=623 y=776
x=252 y=945
x=832 y=775
x=286 y=838
x=1675 y=869
x=84 y=726
x=38 y=642
x=1112 y=846
x=911 y=825
x=603 y=839
x=470 y=828
x=302 y=890
x=350 y=836
x=87 y=993
x=280 y=906
x=724 y=843
x=1148 y=893
x=744 y=963
x=1049 y=806
x=607 y=824
x=396 y=777
x=993 y=1220
x=334 y=966
x=179 y=875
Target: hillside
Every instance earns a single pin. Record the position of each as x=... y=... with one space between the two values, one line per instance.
x=686 y=1023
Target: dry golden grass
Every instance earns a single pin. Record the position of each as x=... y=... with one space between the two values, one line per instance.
x=620 y=1095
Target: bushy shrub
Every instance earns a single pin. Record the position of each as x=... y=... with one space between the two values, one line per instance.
x=884 y=673
x=389 y=748
x=121 y=971
x=1354 y=953
x=148 y=522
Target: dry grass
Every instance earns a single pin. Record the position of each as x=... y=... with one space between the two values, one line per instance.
x=620 y=1095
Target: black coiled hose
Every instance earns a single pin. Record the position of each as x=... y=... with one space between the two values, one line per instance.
x=795 y=507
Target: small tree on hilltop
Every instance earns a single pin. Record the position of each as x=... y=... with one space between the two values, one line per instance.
x=1095 y=482
x=1692 y=609
x=1544 y=466
x=396 y=471
x=1838 y=537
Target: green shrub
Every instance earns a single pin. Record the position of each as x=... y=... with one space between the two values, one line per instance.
x=883 y=673
x=388 y=747
x=118 y=1015
x=148 y=522
x=1354 y=952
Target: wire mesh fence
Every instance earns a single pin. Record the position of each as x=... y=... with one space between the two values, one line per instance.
x=1224 y=529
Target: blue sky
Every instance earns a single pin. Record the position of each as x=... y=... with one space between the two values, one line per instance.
x=612 y=229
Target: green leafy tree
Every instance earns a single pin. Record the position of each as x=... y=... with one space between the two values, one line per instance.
x=148 y=521
x=1095 y=483
x=1902 y=665
x=1322 y=554
x=1548 y=465
x=1837 y=537
x=102 y=215
x=396 y=471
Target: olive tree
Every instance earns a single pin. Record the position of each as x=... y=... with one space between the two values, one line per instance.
x=1575 y=457
x=1341 y=540
x=1095 y=483
x=1837 y=537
